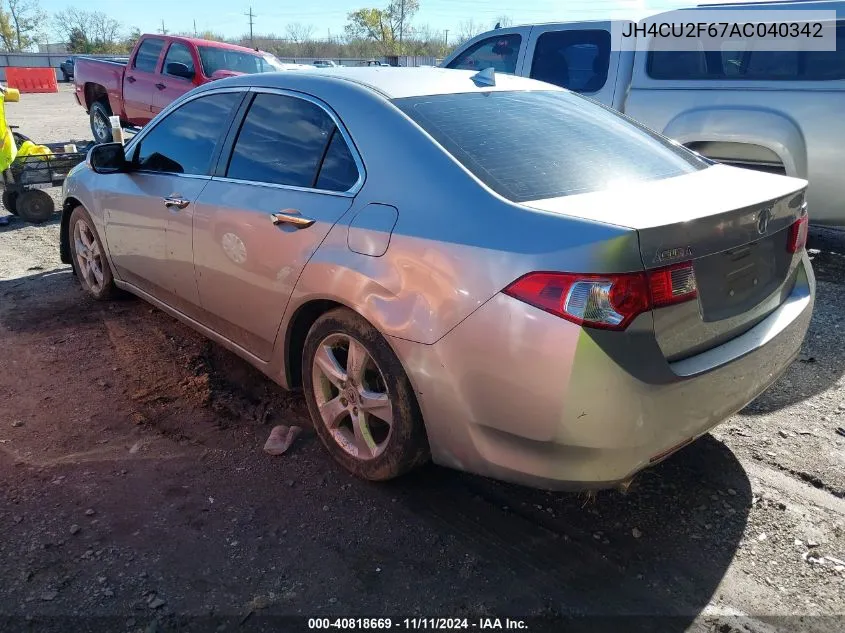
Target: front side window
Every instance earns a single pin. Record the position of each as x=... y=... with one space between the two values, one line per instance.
x=750 y=64
x=545 y=144
x=282 y=141
x=179 y=54
x=184 y=141
x=577 y=59
x=147 y=56
x=499 y=53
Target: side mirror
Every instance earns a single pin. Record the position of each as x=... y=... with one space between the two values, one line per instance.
x=108 y=158
x=178 y=69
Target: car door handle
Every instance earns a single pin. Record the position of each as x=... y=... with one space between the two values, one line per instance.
x=292 y=217
x=161 y=86
x=174 y=201
x=131 y=80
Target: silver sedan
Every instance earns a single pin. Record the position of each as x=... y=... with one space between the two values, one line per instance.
x=482 y=270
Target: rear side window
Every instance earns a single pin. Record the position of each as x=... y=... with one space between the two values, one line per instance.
x=282 y=141
x=148 y=53
x=338 y=171
x=499 y=52
x=535 y=145
x=577 y=59
x=751 y=64
x=184 y=141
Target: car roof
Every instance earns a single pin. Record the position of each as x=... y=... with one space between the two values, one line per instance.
x=397 y=82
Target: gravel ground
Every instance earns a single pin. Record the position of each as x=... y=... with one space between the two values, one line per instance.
x=136 y=496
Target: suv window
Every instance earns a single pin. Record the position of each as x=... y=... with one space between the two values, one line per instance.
x=499 y=52
x=282 y=141
x=751 y=64
x=184 y=141
x=148 y=54
x=544 y=144
x=576 y=59
x=178 y=54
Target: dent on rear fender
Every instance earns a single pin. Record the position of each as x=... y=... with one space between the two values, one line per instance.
x=411 y=292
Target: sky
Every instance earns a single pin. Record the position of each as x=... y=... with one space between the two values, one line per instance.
x=229 y=18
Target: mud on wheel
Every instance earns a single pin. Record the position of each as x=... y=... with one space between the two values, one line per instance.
x=360 y=399
x=88 y=257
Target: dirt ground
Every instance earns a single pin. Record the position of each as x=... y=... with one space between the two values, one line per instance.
x=136 y=497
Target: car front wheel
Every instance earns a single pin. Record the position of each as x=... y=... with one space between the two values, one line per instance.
x=360 y=399
x=89 y=257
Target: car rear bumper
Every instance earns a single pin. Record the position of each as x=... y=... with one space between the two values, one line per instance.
x=521 y=395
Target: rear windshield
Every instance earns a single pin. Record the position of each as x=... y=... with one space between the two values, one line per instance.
x=535 y=145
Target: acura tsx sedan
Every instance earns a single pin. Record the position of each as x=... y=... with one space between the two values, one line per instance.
x=486 y=271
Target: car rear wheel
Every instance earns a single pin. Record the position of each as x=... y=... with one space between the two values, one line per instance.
x=89 y=258
x=100 y=124
x=360 y=399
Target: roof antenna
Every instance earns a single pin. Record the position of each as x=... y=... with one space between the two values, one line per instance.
x=498 y=25
x=486 y=77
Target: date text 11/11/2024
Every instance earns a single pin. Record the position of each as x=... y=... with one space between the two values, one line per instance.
x=417 y=624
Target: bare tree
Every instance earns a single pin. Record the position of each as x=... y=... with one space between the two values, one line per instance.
x=468 y=29
x=94 y=31
x=299 y=33
x=25 y=19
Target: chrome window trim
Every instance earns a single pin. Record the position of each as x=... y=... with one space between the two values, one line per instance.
x=272 y=185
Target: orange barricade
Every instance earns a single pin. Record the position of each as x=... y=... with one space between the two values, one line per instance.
x=32 y=79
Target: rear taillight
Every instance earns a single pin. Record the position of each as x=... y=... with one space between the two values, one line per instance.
x=673 y=284
x=608 y=302
x=798 y=234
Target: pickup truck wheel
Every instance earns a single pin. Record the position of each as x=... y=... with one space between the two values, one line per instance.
x=100 y=125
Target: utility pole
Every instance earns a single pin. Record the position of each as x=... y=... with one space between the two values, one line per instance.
x=163 y=30
x=401 y=24
x=251 y=16
x=195 y=28
x=447 y=38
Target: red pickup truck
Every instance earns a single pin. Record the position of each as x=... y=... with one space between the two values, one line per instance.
x=160 y=69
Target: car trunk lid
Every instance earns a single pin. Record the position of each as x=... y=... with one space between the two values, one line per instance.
x=733 y=225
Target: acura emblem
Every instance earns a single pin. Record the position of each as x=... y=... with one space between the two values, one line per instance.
x=763 y=220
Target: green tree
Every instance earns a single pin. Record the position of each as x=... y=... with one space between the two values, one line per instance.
x=386 y=27
x=25 y=17
x=77 y=42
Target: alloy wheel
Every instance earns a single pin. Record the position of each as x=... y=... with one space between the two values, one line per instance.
x=352 y=396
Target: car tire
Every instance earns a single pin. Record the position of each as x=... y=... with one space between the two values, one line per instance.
x=366 y=415
x=10 y=201
x=35 y=206
x=100 y=125
x=88 y=257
